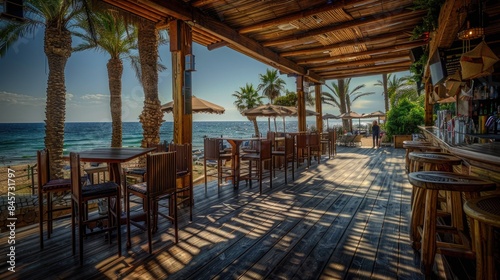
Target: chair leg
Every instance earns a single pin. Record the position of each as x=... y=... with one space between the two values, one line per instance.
x=176 y=224
x=49 y=214
x=40 y=219
x=127 y=210
x=80 y=235
x=148 y=224
x=118 y=214
x=73 y=215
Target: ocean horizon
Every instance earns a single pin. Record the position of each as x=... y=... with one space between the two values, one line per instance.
x=20 y=141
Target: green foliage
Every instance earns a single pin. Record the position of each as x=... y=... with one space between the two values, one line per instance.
x=404 y=118
x=429 y=20
x=290 y=99
x=417 y=69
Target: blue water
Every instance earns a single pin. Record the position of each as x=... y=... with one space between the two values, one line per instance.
x=20 y=141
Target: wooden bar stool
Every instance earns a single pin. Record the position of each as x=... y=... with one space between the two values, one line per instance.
x=485 y=214
x=417 y=146
x=432 y=182
x=430 y=162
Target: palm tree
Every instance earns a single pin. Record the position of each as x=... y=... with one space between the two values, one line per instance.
x=152 y=115
x=55 y=16
x=248 y=98
x=119 y=40
x=343 y=98
x=394 y=86
x=271 y=84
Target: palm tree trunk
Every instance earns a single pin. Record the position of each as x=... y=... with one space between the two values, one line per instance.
x=255 y=126
x=151 y=116
x=343 y=104
x=386 y=94
x=115 y=70
x=57 y=47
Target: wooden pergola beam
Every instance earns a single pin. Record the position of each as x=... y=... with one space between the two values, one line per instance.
x=196 y=19
x=394 y=48
x=350 y=43
x=376 y=19
x=362 y=63
x=388 y=68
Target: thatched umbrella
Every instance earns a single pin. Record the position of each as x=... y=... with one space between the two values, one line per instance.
x=198 y=105
x=351 y=115
x=270 y=110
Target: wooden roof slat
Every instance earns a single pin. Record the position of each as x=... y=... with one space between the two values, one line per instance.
x=405 y=46
x=377 y=19
x=299 y=15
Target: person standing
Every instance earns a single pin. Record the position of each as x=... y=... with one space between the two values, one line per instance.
x=375 y=134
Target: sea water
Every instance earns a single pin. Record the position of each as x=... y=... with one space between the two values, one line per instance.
x=20 y=141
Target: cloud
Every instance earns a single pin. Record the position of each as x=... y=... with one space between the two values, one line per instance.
x=21 y=99
x=95 y=97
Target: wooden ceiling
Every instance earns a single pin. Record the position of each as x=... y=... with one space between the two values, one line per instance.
x=319 y=39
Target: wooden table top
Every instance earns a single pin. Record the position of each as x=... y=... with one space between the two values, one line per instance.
x=113 y=155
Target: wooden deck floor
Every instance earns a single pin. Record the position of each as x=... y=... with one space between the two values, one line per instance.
x=343 y=219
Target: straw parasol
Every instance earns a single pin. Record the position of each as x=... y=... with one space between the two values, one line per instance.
x=198 y=106
x=329 y=116
x=377 y=114
x=270 y=110
x=351 y=115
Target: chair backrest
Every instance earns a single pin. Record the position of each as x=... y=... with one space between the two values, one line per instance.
x=42 y=162
x=301 y=140
x=313 y=139
x=76 y=183
x=289 y=147
x=332 y=136
x=265 y=149
x=184 y=157
x=160 y=147
x=162 y=173
x=211 y=148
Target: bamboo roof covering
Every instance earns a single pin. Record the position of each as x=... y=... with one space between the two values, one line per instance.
x=319 y=39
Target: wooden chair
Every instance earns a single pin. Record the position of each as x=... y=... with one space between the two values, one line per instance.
x=302 y=149
x=328 y=141
x=81 y=195
x=258 y=158
x=48 y=187
x=160 y=184
x=212 y=148
x=313 y=141
x=139 y=171
x=184 y=162
x=288 y=155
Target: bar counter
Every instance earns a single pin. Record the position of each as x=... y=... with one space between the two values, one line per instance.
x=483 y=159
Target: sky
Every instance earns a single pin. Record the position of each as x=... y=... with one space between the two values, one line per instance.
x=219 y=73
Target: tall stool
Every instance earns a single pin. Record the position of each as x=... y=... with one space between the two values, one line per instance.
x=430 y=162
x=432 y=182
x=485 y=214
x=417 y=146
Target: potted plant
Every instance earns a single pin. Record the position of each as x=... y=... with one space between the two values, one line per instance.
x=403 y=120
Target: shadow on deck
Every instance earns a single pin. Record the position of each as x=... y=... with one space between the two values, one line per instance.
x=343 y=219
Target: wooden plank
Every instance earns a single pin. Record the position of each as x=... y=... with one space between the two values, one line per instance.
x=344 y=218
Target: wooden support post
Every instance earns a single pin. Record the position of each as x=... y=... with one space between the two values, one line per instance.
x=319 y=110
x=180 y=46
x=301 y=116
